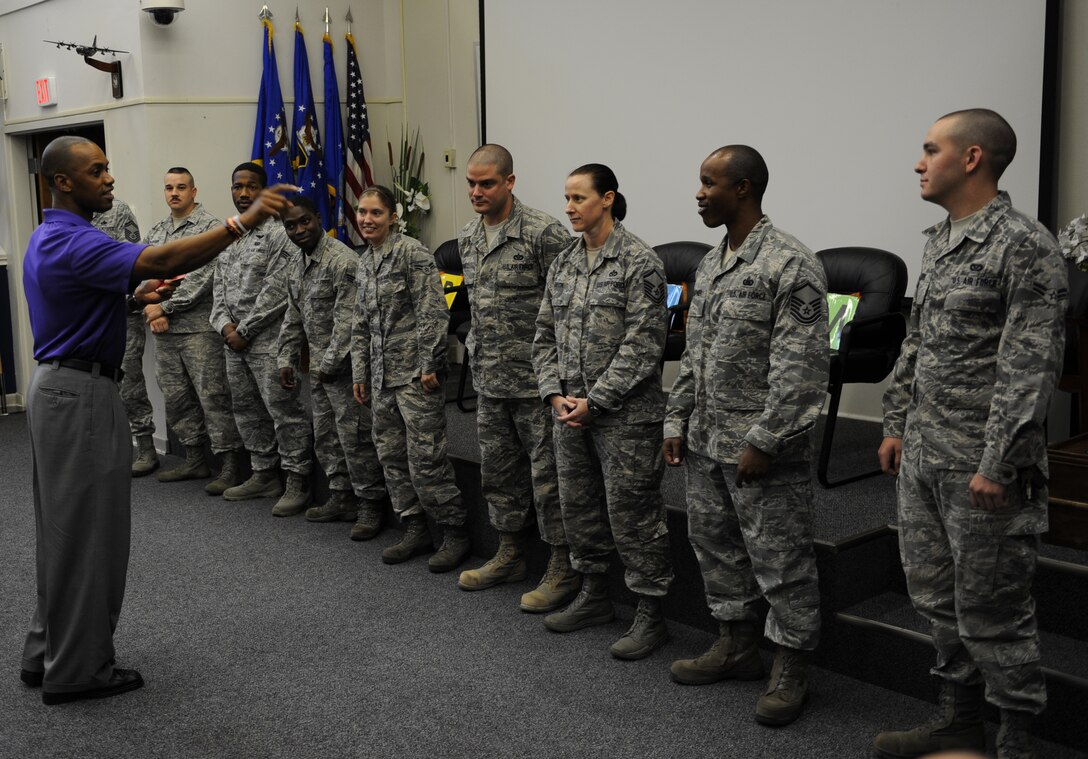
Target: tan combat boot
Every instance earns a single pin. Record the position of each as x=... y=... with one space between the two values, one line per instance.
x=194 y=468
x=455 y=548
x=147 y=458
x=590 y=607
x=648 y=632
x=734 y=656
x=1014 y=739
x=341 y=507
x=787 y=689
x=296 y=496
x=261 y=484
x=369 y=521
x=959 y=726
x=416 y=541
x=557 y=588
x=230 y=473
x=507 y=565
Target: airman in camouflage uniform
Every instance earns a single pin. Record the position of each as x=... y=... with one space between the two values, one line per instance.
x=398 y=344
x=189 y=363
x=751 y=386
x=506 y=252
x=321 y=295
x=120 y=223
x=599 y=341
x=250 y=298
x=964 y=430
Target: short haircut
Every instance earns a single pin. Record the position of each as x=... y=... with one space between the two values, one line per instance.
x=182 y=170
x=301 y=201
x=491 y=154
x=988 y=130
x=385 y=195
x=57 y=156
x=254 y=168
x=745 y=162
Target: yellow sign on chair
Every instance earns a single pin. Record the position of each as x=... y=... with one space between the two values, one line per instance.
x=449 y=282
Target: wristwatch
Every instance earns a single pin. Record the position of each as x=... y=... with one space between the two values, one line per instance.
x=594 y=409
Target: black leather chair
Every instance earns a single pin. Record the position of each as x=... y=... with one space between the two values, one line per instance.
x=870 y=343
x=1074 y=379
x=681 y=260
x=448 y=260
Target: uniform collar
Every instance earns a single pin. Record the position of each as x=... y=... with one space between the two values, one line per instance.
x=980 y=227
x=510 y=229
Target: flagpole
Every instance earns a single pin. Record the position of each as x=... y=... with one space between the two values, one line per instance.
x=326 y=21
x=265 y=14
x=349 y=19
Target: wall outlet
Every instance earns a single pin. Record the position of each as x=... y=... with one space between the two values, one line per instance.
x=449 y=158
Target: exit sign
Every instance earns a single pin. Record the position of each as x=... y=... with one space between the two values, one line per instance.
x=47 y=90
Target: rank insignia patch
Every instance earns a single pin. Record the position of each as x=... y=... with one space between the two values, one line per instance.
x=654 y=285
x=806 y=304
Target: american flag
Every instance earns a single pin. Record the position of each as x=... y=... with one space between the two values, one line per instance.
x=270 y=138
x=358 y=174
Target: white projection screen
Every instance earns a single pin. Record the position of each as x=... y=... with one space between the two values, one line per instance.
x=837 y=95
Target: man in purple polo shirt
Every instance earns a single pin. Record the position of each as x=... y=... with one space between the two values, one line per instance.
x=76 y=279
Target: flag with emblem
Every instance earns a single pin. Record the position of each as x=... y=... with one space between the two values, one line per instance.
x=334 y=148
x=306 y=157
x=358 y=160
x=270 y=138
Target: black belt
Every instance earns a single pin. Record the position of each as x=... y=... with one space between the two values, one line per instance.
x=96 y=368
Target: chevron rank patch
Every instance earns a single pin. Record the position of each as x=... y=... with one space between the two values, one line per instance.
x=654 y=285
x=806 y=304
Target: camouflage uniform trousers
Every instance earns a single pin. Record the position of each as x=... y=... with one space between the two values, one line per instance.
x=517 y=465
x=410 y=435
x=971 y=579
x=756 y=541
x=264 y=413
x=343 y=443
x=133 y=387
x=611 y=475
x=193 y=377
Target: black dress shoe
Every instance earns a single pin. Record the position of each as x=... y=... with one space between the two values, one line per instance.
x=32 y=679
x=122 y=681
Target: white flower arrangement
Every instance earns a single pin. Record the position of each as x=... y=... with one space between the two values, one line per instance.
x=1074 y=242
x=410 y=190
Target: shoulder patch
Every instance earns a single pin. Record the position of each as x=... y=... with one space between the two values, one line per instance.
x=132 y=233
x=654 y=286
x=805 y=304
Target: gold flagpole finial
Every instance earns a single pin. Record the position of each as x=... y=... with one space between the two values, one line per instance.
x=265 y=14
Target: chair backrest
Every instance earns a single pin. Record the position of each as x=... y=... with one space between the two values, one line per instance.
x=681 y=260
x=879 y=276
x=448 y=258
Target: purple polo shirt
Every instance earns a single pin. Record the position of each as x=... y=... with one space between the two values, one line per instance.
x=75 y=278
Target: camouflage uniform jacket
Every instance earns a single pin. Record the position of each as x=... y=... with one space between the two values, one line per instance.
x=321 y=295
x=189 y=309
x=505 y=285
x=401 y=318
x=601 y=334
x=973 y=382
x=251 y=285
x=119 y=222
x=755 y=367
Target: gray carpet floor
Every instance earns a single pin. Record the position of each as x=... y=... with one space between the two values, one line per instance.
x=263 y=637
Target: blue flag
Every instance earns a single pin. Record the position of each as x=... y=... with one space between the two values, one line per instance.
x=270 y=138
x=334 y=149
x=306 y=156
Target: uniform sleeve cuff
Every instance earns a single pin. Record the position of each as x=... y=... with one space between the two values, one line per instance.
x=997 y=471
x=762 y=440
